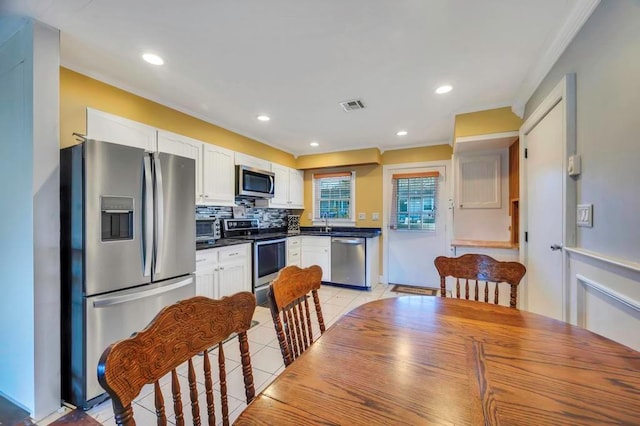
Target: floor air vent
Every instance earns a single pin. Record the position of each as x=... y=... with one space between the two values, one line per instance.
x=353 y=105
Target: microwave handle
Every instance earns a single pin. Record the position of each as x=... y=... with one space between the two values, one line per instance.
x=271 y=180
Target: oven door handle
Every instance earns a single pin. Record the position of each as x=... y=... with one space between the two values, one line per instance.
x=279 y=240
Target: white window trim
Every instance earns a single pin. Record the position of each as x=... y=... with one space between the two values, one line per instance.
x=336 y=222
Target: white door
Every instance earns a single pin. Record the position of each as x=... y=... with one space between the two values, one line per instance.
x=544 y=144
x=411 y=253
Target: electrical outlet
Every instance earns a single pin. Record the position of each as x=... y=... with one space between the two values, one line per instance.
x=362 y=216
x=309 y=216
x=375 y=216
x=585 y=215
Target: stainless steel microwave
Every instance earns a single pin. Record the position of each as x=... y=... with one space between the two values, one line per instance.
x=254 y=183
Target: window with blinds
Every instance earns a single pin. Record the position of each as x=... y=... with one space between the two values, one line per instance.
x=414 y=201
x=333 y=195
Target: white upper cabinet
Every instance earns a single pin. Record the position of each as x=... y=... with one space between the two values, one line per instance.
x=296 y=188
x=247 y=160
x=107 y=127
x=288 y=190
x=215 y=166
x=219 y=176
x=173 y=143
x=281 y=186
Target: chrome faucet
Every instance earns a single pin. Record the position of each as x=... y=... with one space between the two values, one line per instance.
x=327 y=228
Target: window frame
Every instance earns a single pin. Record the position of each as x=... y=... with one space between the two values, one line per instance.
x=352 y=201
x=394 y=222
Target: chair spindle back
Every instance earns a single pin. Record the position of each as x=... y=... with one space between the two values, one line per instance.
x=179 y=334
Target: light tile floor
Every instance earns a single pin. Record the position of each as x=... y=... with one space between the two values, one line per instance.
x=266 y=359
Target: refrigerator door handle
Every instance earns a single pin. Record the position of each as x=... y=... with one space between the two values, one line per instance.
x=147 y=240
x=159 y=214
x=116 y=300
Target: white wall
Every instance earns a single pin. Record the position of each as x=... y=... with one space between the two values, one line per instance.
x=29 y=229
x=485 y=224
x=605 y=57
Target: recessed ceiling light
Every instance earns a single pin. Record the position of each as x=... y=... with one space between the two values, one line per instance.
x=153 y=59
x=314 y=144
x=444 y=89
x=263 y=117
x=402 y=133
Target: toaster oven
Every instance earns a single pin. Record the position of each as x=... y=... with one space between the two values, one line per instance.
x=207 y=229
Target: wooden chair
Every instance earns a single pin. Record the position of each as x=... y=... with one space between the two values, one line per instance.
x=177 y=334
x=289 y=301
x=479 y=267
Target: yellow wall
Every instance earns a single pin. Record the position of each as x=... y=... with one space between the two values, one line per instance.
x=414 y=155
x=338 y=159
x=368 y=177
x=485 y=122
x=368 y=193
x=77 y=92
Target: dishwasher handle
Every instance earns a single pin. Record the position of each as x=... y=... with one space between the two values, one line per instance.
x=348 y=240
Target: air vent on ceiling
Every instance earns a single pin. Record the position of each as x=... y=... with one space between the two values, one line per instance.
x=353 y=105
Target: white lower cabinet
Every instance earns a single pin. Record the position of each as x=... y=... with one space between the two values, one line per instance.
x=223 y=271
x=234 y=270
x=207 y=273
x=294 y=251
x=317 y=251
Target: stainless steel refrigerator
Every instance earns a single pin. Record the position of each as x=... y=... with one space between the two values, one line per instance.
x=127 y=250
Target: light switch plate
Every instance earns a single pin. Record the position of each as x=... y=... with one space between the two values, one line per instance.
x=375 y=216
x=585 y=215
x=362 y=216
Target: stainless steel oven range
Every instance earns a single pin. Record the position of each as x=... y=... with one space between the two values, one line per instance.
x=269 y=252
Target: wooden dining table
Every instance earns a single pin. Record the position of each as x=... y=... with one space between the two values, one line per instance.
x=431 y=360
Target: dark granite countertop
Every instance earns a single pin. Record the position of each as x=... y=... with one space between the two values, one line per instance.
x=222 y=242
x=341 y=231
x=304 y=231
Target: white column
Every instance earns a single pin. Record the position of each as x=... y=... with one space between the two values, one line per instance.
x=29 y=229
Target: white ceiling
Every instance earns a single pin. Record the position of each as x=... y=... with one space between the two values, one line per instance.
x=226 y=61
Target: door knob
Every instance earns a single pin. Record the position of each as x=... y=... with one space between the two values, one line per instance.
x=555 y=247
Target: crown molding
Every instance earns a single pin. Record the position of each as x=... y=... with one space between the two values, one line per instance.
x=576 y=19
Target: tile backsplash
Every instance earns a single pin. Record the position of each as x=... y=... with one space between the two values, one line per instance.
x=269 y=218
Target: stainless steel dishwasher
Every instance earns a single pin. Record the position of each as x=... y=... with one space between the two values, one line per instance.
x=348 y=261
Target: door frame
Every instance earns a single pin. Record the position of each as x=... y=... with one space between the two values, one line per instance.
x=387 y=171
x=565 y=91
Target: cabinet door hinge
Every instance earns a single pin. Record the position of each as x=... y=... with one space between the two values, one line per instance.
x=526 y=153
x=526 y=237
